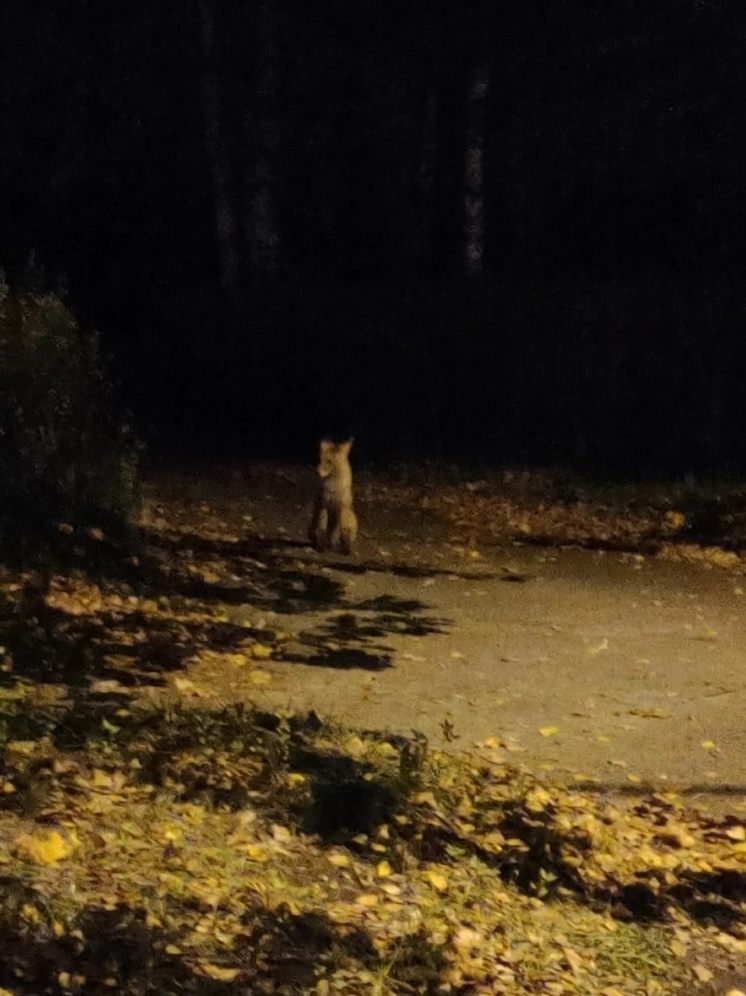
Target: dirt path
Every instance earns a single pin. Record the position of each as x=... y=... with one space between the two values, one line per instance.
x=612 y=666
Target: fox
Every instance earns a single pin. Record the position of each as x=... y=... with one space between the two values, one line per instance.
x=334 y=523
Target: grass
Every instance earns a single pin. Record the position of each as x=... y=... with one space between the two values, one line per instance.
x=177 y=854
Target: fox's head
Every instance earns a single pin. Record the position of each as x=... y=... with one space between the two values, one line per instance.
x=331 y=455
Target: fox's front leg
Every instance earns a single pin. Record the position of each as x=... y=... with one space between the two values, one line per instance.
x=318 y=530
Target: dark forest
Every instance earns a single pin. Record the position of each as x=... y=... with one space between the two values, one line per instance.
x=508 y=233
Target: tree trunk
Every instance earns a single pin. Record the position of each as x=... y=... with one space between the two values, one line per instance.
x=474 y=170
x=426 y=181
x=217 y=152
x=262 y=227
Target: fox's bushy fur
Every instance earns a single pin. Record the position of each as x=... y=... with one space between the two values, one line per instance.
x=334 y=523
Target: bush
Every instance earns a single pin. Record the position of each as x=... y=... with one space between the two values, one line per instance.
x=65 y=454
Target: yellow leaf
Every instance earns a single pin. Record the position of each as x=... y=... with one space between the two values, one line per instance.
x=383 y=869
x=707 y=745
x=338 y=859
x=256 y=852
x=678 y=948
x=703 y=974
x=355 y=747
x=261 y=652
x=43 y=848
x=259 y=677
x=295 y=778
x=24 y=747
x=537 y=800
x=549 y=731
x=219 y=972
x=634 y=779
x=467 y=938
x=675 y=520
x=367 y=899
x=736 y=833
x=678 y=836
x=30 y=914
x=573 y=959
x=437 y=880
x=425 y=799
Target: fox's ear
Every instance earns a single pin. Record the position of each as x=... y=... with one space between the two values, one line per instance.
x=346 y=446
x=325 y=446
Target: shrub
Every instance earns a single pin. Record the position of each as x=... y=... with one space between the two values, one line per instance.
x=66 y=455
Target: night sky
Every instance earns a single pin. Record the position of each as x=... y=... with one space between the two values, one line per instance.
x=266 y=209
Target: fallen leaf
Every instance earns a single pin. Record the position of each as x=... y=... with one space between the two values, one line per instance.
x=573 y=959
x=437 y=880
x=598 y=648
x=703 y=974
x=219 y=972
x=43 y=848
x=257 y=852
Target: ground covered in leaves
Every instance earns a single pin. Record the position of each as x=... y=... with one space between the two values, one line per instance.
x=161 y=835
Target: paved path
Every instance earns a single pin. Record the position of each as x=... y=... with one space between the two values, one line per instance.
x=638 y=663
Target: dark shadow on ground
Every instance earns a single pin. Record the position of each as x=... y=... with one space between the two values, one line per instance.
x=256 y=572
x=405 y=570
x=355 y=638
x=183 y=574
x=275 y=951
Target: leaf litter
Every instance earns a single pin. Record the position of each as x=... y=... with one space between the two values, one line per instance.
x=157 y=838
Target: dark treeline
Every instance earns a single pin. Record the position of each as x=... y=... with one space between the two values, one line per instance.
x=475 y=230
